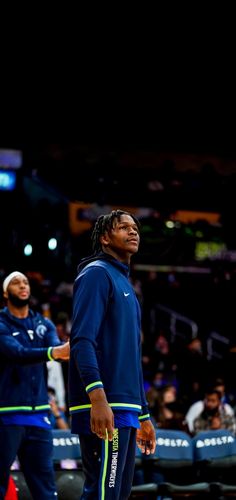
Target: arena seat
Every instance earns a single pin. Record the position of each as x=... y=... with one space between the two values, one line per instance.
x=69 y=484
x=148 y=490
x=215 y=459
x=170 y=469
x=69 y=481
x=65 y=445
x=214 y=449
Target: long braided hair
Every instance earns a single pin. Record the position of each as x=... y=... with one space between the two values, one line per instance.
x=104 y=224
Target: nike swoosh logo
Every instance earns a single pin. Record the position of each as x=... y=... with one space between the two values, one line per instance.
x=15 y=333
x=126 y=294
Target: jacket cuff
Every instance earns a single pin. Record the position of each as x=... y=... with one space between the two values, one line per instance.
x=95 y=385
x=142 y=418
x=49 y=353
x=145 y=415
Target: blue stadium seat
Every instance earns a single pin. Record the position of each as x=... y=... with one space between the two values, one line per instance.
x=215 y=459
x=173 y=449
x=170 y=469
x=215 y=448
x=65 y=445
x=69 y=482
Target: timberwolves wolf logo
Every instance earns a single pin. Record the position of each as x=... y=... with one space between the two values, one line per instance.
x=40 y=330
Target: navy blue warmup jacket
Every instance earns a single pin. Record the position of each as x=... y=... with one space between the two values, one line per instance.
x=106 y=338
x=23 y=353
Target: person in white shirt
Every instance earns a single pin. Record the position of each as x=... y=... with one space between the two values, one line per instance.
x=197 y=407
x=56 y=380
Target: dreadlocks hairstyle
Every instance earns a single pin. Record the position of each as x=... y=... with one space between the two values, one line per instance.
x=104 y=224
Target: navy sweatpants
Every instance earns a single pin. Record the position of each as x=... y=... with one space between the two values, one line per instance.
x=108 y=465
x=34 y=448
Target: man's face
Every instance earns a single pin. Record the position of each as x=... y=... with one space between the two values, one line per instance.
x=212 y=402
x=18 y=291
x=124 y=236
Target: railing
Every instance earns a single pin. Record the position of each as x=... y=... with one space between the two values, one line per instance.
x=174 y=320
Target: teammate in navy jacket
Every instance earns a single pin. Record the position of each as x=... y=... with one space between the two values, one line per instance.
x=107 y=400
x=27 y=341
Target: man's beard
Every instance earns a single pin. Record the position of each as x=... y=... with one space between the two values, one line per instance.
x=15 y=301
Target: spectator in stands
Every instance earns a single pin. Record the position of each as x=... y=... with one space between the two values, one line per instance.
x=27 y=341
x=63 y=326
x=59 y=421
x=227 y=397
x=168 y=413
x=152 y=397
x=196 y=408
x=56 y=380
x=57 y=416
x=213 y=415
x=162 y=357
x=192 y=371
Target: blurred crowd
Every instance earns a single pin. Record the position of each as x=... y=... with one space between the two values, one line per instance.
x=187 y=388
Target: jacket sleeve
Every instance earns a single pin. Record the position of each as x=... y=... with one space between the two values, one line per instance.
x=52 y=338
x=144 y=415
x=91 y=293
x=13 y=350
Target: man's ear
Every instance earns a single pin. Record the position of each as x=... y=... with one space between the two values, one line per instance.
x=104 y=239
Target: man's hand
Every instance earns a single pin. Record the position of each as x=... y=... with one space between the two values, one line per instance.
x=61 y=351
x=101 y=415
x=146 y=437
